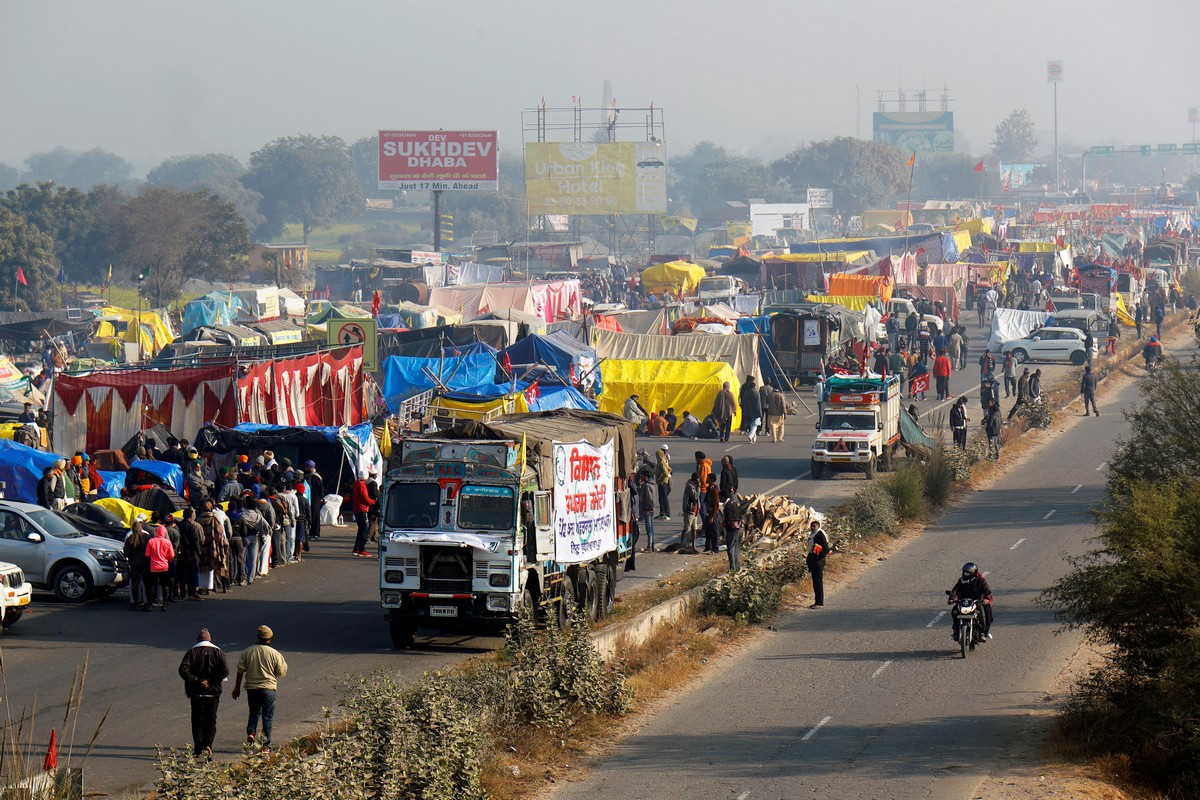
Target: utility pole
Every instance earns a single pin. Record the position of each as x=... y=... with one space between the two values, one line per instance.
x=1054 y=75
x=437 y=220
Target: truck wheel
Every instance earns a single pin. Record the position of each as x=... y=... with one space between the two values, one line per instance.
x=587 y=599
x=606 y=590
x=869 y=469
x=402 y=633
x=566 y=602
x=816 y=469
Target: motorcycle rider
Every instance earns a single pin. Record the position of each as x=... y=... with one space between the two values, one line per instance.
x=1152 y=352
x=972 y=584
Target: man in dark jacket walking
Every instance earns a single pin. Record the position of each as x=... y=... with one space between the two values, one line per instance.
x=203 y=669
x=1087 y=388
x=723 y=410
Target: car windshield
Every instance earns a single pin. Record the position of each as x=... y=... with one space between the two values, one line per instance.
x=848 y=422
x=54 y=525
x=713 y=284
x=489 y=508
x=412 y=505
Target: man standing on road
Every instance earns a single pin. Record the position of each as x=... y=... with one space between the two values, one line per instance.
x=1035 y=386
x=362 y=506
x=646 y=507
x=991 y=426
x=691 y=515
x=203 y=670
x=1139 y=316
x=1089 y=343
x=987 y=366
x=1022 y=393
x=1087 y=388
x=941 y=372
x=261 y=666
x=723 y=410
x=316 y=494
x=818 y=551
x=1010 y=375
x=776 y=414
x=662 y=479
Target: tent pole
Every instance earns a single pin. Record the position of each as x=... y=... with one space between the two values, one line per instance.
x=779 y=367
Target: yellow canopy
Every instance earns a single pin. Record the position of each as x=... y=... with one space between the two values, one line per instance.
x=892 y=217
x=680 y=277
x=155 y=333
x=1037 y=247
x=976 y=226
x=962 y=240
x=126 y=511
x=1123 y=315
x=847 y=257
x=484 y=409
x=682 y=385
x=854 y=302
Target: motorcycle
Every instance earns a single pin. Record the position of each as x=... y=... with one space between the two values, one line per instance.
x=969 y=614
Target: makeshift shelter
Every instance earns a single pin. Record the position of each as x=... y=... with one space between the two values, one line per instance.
x=946 y=295
x=956 y=275
x=344 y=452
x=856 y=302
x=156 y=499
x=404 y=375
x=30 y=326
x=570 y=362
x=739 y=351
x=682 y=385
x=482 y=406
x=122 y=509
x=651 y=320
x=214 y=308
x=1009 y=324
x=548 y=300
x=20 y=468
x=164 y=472
x=121 y=323
x=873 y=286
x=680 y=278
x=550 y=398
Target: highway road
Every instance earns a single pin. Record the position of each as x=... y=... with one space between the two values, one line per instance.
x=868 y=697
x=328 y=624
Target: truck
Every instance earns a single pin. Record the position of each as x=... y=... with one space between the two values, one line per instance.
x=859 y=426
x=519 y=514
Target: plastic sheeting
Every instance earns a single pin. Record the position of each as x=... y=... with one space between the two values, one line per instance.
x=854 y=302
x=677 y=277
x=465 y=274
x=170 y=474
x=653 y=320
x=944 y=294
x=21 y=468
x=682 y=385
x=873 y=286
x=955 y=275
x=403 y=375
x=111 y=483
x=549 y=300
x=1009 y=324
x=214 y=308
x=550 y=398
x=739 y=351
x=557 y=350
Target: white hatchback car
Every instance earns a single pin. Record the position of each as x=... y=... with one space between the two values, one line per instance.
x=1049 y=344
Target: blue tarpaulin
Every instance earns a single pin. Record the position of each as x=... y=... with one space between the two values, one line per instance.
x=111 y=483
x=552 y=397
x=214 y=308
x=404 y=375
x=21 y=468
x=767 y=361
x=559 y=350
x=171 y=474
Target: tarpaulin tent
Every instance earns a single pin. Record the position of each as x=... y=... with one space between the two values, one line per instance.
x=956 y=275
x=946 y=295
x=123 y=510
x=1009 y=324
x=549 y=300
x=21 y=467
x=682 y=385
x=30 y=326
x=877 y=286
x=568 y=358
x=740 y=352
x=325 y=445
x=650 y=320
x=403 y=375
x=854 y=302
x=214 y=308
x=552 y=397
x=168 y=473
x=157 y=499
x=498 y=399
x=156 y=330
x=681 y=278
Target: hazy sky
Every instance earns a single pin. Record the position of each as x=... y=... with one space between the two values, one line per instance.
x=150 y=79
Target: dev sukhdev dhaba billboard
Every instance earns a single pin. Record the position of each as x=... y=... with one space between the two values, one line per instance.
x=596 y=178
x=429 y=161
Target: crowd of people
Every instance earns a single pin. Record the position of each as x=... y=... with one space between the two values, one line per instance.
x=762 y=408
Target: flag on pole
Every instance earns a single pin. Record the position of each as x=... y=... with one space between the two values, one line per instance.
x=912 y=160
x=979 y=167
x=375 y=304
x=51 y=761
x=108 y=280
x=21 y=277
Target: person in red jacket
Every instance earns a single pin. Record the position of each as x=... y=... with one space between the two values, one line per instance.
x=361 y=505
x=160 y=552
x=941 y=373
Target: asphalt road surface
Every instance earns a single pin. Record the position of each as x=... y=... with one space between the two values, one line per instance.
x=868 y=697
x=328 y=624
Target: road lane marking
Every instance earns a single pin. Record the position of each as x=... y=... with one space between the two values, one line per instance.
x=777 y=487
x=1103 y=464
x=879 y=671
x=815 y=728
x=733 y=447
x=986 y=573
x=935 y=619
x=1049 y=514
x=743 y=795
x=1077 y=488
x=1018 y=544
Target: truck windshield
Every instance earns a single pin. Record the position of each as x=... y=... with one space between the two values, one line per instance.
x=848 y=422
x=412 y=505
x=489 y=508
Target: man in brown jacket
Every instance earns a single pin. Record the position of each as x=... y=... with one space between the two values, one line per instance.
x=724 y=408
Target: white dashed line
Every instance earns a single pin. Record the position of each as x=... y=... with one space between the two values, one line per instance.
x=743 y=796
x=1103 y=464
x=775 y=489
x=1018 y=544
x=879 y=671
x=988 y=572
x=1049 y=514
x=1077 y=488
x=815 y=728
x=935 y=619
x=732 y=447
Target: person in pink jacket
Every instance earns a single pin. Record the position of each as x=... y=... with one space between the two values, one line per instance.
x=160 y=551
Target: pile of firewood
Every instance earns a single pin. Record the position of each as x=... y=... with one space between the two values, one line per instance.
x=771 y=521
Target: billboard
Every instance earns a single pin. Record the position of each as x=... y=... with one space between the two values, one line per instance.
x=915 y=131
x=596 y=178
x=428 y=161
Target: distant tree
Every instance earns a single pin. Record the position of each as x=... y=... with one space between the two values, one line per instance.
x=81 y=170
x=306 y=179
x=952 y=176
x=214 y=172
x=709 y=175
x=862 y=174
x=1014 y=142
x=67 y=216
x=365 y=155
x=502 y=211
x=9 y=177
x=1192 y=184
x=169 y=236
x=24 y=247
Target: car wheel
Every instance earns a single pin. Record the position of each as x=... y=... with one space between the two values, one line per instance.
x=1078 y=358
x=72 y=583
x=11 y=616
x=1020 y=356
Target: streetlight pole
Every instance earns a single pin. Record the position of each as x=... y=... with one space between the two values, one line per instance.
x=1057 y=186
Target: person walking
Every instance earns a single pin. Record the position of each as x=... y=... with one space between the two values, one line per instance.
x=954 y=348
x=731 y=517
x=1035 y=386
x=1010 y=375
x=691 y=515
x=1089 y=344
x=818 y=551
x=724 y=407
x=751 y=404
x=662 y=480
x=203 y=670
x=316 y=498
x=776 y=414
x=941 y=373
x=646 y=508
x=188 y=555
x=159 y=553
x=134 y=549
x=987 y=366
x=253 y=530
x=958 y=422
x=1022 y=394
x=1087 y=388
x=260 y=666
x=966 y=345
x=362 y=505
x=991 y=426
x=1114 y=333
x=1139 y=316
x=710 y=505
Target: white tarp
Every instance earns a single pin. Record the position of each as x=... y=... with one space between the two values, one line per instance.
x=653 y=320
x=746 y=304
x=738 y=350
x=465 y=274
x=1009 y=324
x=585 y=525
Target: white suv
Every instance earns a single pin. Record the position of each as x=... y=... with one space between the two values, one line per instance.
x=15 y=593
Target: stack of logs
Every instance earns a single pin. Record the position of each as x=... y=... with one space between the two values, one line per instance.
x=772 y=521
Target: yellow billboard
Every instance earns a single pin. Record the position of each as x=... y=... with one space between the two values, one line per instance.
x=595 y=178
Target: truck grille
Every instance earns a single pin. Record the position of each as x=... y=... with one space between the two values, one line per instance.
x=481 y=570
x=13 y=580
x=445 y=569
x=409 y=565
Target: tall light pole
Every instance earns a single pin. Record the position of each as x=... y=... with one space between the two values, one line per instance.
x=1054 y=75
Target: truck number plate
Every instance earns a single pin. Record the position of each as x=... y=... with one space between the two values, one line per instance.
x=443 y=611
x=24 y=601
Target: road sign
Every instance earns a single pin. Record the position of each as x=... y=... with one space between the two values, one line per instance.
x=356 y=333
x=1099 y=152
x=1166 y=149
x=1145 y=149
x=1054 y=71
x=1191 y=148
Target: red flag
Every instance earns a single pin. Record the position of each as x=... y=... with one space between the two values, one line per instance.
x=507 y=363
x=919 y=383
x=375 y=304
x=979 y=167
x=532 y=392
x=1050 y=306
x=912 y=160
x=21 y=277
x=51 y=761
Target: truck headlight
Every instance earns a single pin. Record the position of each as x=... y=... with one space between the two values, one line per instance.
x=498 y=602
x=391 y=599
x=498 y=579
x=394 y=576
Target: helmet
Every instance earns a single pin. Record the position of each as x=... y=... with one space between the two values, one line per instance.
x=969 y=570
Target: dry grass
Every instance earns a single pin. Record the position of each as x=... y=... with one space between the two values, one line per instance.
x=630 y=605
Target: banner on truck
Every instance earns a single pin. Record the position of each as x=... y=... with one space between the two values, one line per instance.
x=428 y=161
x=596 y=178
x=585 y=522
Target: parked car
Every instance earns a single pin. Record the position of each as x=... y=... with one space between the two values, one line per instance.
x=1049 y=344
x=15 y=593
x=1079 y=318
x=55 y=555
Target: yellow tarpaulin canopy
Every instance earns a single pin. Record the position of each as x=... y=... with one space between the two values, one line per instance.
x=127 y=512
x=155 y=333
x=889 y=217
x=962 y=240
x=1123 y=313
x=1037 y=247
x=847 y=257
x=682 y=385
x=465 y=409
x=870 y=285
x=854 y=302
x=674 y=276
x=976 y=226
